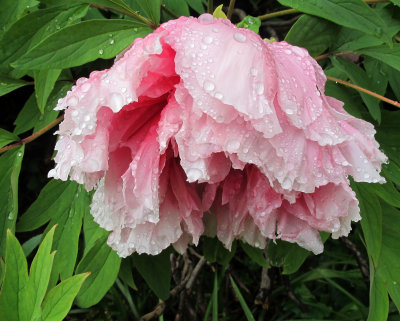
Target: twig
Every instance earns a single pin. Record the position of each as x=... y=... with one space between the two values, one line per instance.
x=32 y=137
x=336 y=54
x=188 y=273
x=230 y=8
x=195 y=272
x=277 y=14
x=369 y=92
x=262 y=297
x=361 y=260
x=291 y=295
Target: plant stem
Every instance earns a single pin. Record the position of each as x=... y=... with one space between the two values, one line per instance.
x=291 y=11
x=32 y=137
x=132 y=14
x=277 y=14
x=210 y=6
x=170 y=12
x=369 y=92
x=336 y=54
x=230 y=8
x=397 y=38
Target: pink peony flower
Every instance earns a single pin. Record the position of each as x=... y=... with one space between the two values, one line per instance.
x=204 y=128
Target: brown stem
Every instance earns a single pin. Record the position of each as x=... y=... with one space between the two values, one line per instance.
x=336 y=54
x=368 y=92
x=32 y=137
x=277 y=14
x=230 y=8
x=361 y=260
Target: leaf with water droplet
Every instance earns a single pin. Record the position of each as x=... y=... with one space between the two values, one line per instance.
x=251 y=23
x=10 y=166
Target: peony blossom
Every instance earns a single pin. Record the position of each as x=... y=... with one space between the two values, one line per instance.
x=202 y=128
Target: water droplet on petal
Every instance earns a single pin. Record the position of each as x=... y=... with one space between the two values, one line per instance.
x=253 y=72
x=259 y=87
x=75 y=113
x=208 y=40
x=239 y=37
x=208 y=85
x=87 y=118
x=215 y=30
x=218 y=95
x=206 y=19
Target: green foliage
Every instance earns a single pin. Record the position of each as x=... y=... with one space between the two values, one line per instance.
x=26 y=297
x=46 y=46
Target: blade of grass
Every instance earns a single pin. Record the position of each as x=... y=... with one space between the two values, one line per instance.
x=242 y=302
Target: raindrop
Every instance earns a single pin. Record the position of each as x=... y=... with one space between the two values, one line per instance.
x=111 y=41
x=259 y=87
x=208 y=85
x=239 y=37
x=233 y=144
x=101 y=51
x=123 y=89
x=19 y=154
x=366 y=176
x=10 y=216
x=87 y=118
x=206 y=19
x=289 y=111
x=287 y=51
x=253 y=72
x=215 y=30
x=218 y=95
x=208 y=40
x=75 y=113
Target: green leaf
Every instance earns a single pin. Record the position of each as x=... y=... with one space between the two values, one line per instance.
x=59 y=299
x=396 y=2
x=15 y=280
x=34 y=292
x=31 y=244
x=242 y=302
x=11 y=11
x=91 y=232
x=196 y=5
x=378 y=297
x=125 y=273
x=388 y=135
x=394 y=79
x=33 y=28
x=66 y=237
x=179 y=7
x=9 y=84
x=152 y=9
x=371 y=222
x=360 y=78
x=118 y=5
x=387 y=192
x=348 y=40
x=30 y=117
x=81 y=43
x=44 y=83
x=255 y=254
x=103 y=264
x=313 y=33
x=354 y=14
x=388 y=267
x=6 y=137
x=214 y=251
x=251 y=23
x=390 y=56
x=53 y=201
x=218 y=13
x=215 y=298
x=392 y=171
x=289 y=255
x=10 y=166
x=156 y=271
